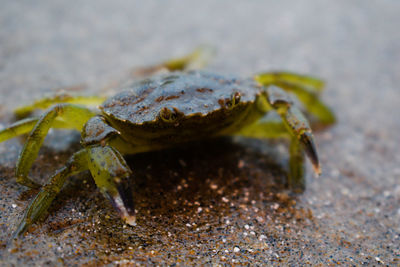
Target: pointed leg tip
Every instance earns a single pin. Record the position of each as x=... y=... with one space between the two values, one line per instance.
x=130 y=219
x=125 y=210
x=317 y=170
x=22 y=227
x=307 y=140
x=128 y=216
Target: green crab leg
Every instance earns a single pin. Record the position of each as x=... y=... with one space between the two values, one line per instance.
x=311 y=84
x=296 y=179
x=45 y=103
x=39 y=205
x=107 y=166
x=24 y=126
x=18 y=128
x=111 y=174
x=267 y=128
x=295 y=122
x=195 y=60
x=72 y=115
x=306 y=89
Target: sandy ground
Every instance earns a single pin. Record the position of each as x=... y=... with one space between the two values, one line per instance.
x=223 y=201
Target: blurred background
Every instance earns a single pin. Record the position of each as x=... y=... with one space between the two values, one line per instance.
x=238 y=215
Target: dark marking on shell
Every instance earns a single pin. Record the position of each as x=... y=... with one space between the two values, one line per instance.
x=204 y=90
x=172 y=97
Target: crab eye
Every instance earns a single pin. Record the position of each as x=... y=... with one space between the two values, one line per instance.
x=168 y=114
x=235 y=99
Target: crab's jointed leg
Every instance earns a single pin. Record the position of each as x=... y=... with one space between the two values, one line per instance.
x=18 y=128
x=24 y=126
x=268 y=128
x=296 y=166
x=44 y=103
x=195 y=60
x=295 y=122
x=293 y=125
x=109 y=171
x=265 y=128
x=68 y=114
x=39 y=205
x=311 y=84
x=306 y=89
x=107 y=166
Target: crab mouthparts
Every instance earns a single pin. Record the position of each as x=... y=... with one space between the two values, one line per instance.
x=307 y=140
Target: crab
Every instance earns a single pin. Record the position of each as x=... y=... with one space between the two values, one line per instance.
x=164 y=111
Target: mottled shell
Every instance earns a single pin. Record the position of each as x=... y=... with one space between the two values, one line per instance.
x=187 y=93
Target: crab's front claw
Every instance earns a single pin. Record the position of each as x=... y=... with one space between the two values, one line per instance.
x=111 y=174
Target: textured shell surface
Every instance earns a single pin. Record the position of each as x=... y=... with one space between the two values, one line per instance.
x=192 y=93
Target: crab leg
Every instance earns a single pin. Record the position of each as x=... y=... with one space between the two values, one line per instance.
x=267 y=128
x=45 y=103
x=111 y=174
x=24 y=126
x=306 y=89
x=18 y=128
x=295 y=122
x=195 y=60
x=107 y=166
x=309 y=83
x=296 y=166
x=293 y=125
x=39 y=205
x=72 y=115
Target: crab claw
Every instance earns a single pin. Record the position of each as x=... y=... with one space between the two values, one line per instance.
x=307 y=140
x=111 y=174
